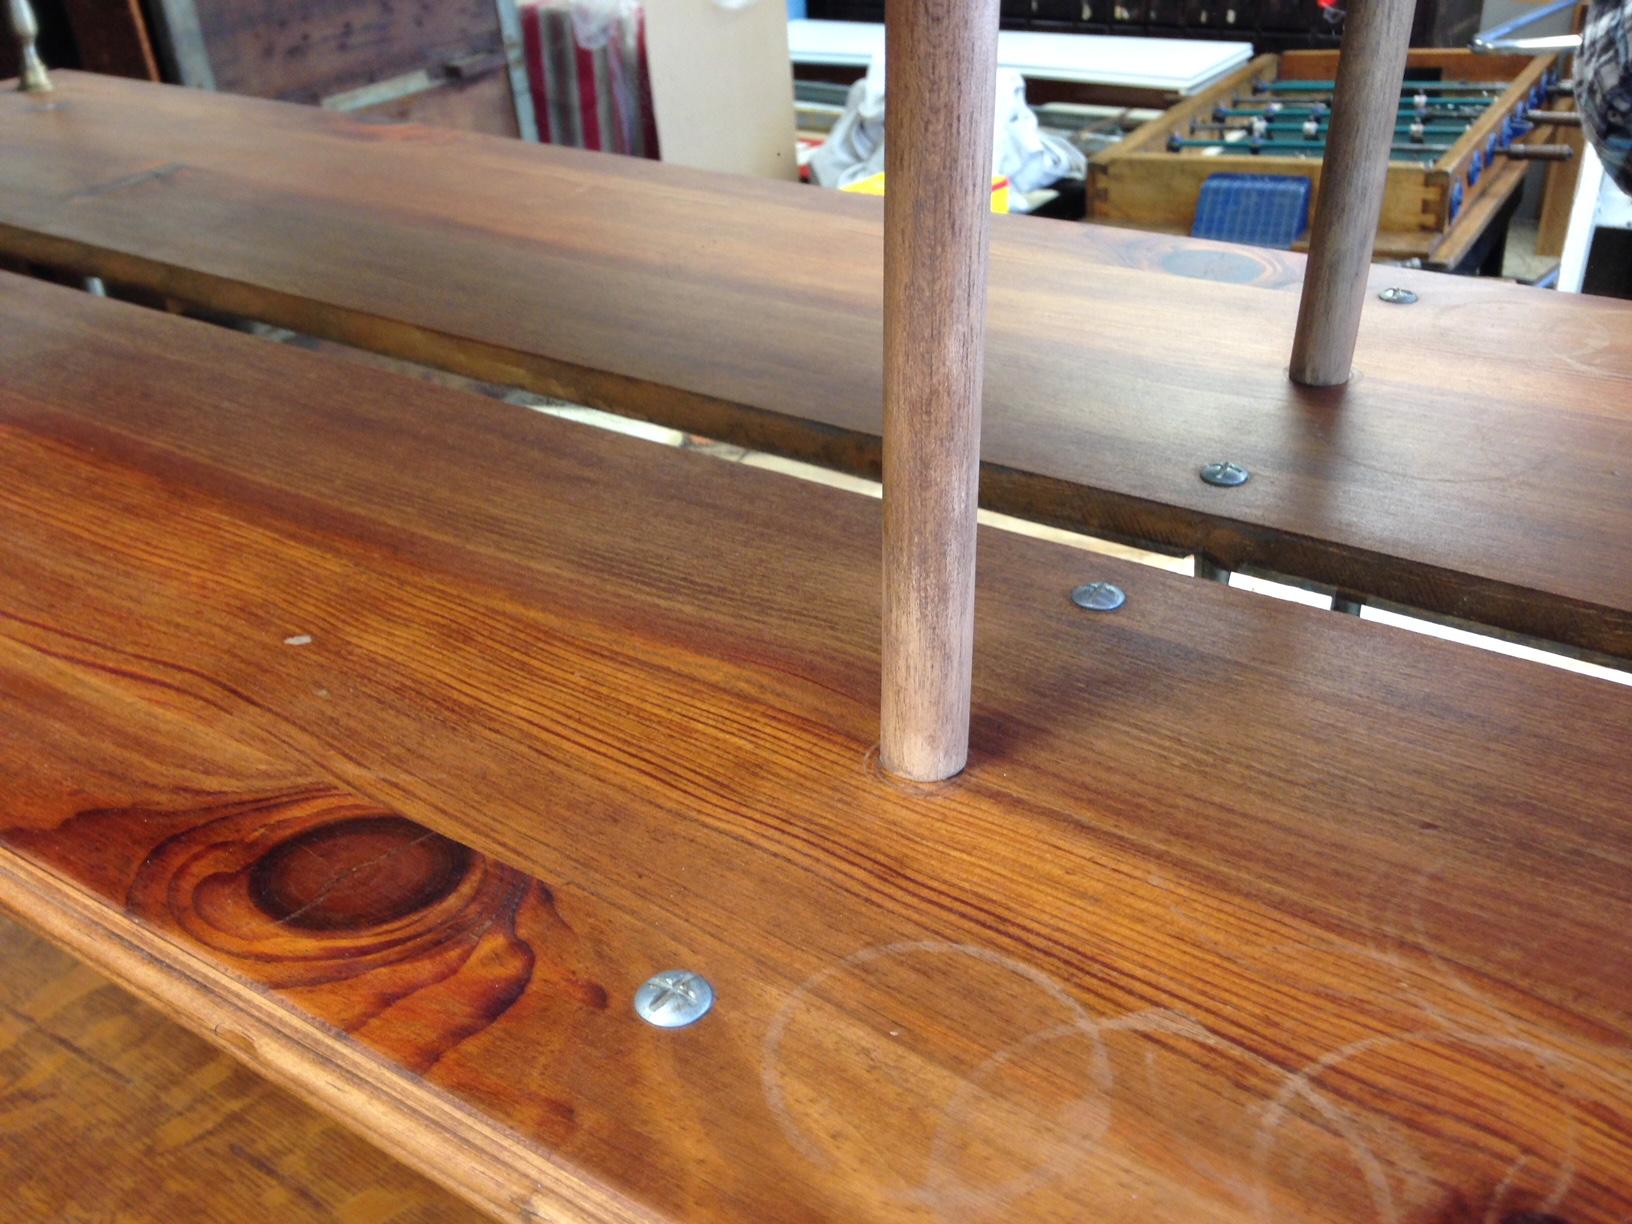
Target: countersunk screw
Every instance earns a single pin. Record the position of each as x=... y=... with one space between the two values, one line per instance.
x=1099 y=597
x=674 y=999
x=1397 y=297
x=1225 y=474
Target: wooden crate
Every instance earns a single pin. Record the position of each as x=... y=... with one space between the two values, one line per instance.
x=1141 y=183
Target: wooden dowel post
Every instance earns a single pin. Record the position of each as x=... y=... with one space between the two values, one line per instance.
x=942 y=64
x=1353 y=176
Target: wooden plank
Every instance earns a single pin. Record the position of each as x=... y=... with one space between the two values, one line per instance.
x=1516 y=97
x=1559 y=189
x=1496 y=188
x=1457 y=63
x=1236 y=913
x=1469 y=470
x=181 y=1131
x=1558 y=195
x=263 y=48
x=1162 y=190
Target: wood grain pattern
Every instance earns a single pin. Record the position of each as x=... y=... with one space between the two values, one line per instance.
x=1558 y=195
x=1471 y=471
x=1241 y=911
x=1355 y=169
x=180 y=1131
x=937 y=233
x=269 y=50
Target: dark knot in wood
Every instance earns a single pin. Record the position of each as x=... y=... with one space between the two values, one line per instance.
x=357 y=873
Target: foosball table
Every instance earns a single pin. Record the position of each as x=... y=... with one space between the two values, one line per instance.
x=610 y=832
x=1465 y=128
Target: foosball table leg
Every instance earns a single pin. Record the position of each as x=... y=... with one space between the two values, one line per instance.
x=32 y=77
x=942 y=63
x=1349 y=201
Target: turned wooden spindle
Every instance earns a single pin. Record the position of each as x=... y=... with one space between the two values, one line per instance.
x=32 y=76
x=1353 y=175
x=942 y=57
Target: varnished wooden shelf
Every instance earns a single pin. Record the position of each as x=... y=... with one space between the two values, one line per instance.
x=1476 y=467
x=389 y=738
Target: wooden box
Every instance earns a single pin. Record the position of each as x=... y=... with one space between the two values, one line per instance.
x=1427 y=207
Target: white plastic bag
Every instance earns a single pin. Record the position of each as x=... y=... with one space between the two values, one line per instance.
x=1030 y=157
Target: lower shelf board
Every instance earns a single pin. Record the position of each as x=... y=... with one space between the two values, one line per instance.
x=390 y=738
x=109 y=1111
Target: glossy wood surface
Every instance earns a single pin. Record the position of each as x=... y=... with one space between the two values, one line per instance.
x=1476 y=467
x=179 y=1131
x=390 y=738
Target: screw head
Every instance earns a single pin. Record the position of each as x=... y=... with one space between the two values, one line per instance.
x=1099 y=597
x=1225 y=475
x=1395 y=296
x=674 y=999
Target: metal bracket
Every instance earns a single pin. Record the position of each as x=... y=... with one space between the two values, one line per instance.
x=1496 y=40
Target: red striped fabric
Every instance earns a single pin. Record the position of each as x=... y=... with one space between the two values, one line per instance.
x=532 y=37
x=591 y=97
x=589 y=93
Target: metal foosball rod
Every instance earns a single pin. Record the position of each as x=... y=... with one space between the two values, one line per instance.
x=1370 y=68
x=1494 y=89
x=1537 y=152
x=937 y=215
x=1313 y=127
x=1270 y=146
x=1321 y=119
x=1246 y=107
x=1414 y=150
x=1321 y=113
x=1406 y=86
x=32 y=78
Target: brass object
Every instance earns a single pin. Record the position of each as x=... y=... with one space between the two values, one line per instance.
x=25 y=28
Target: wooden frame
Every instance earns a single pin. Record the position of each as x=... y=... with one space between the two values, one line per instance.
x=511 y=240
x=394 y=741
x=1225 y=877
x=1140 y=183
